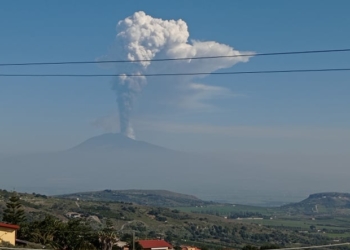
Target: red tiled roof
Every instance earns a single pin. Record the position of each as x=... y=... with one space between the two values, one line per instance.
x=154 y=243
x=16 y=227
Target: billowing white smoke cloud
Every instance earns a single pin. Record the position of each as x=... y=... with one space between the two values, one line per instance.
x=126 y=89
x=142 y=37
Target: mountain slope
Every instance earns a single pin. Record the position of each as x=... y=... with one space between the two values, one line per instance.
x=159 y=198
x=114 y=142
x=322 y=203
x=112 y=161
x=115 y=162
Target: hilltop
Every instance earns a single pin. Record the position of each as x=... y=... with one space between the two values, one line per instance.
x=158 y=198
x=322 y=203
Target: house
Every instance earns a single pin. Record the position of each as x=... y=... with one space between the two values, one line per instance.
x=122 y=245
x=8 y=233
x=73 y=215
x=189 y=248
x=155 y=245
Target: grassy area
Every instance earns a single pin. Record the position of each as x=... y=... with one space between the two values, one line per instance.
x=333 y=226
x=226 y=209
x=300 y=224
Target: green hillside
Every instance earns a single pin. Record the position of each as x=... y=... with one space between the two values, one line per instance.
x=160 y=198
x=331 y=203
x=174 y=225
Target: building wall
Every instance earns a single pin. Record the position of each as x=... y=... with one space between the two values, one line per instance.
x=156 y=248
x=189 y=248
x=8 y=235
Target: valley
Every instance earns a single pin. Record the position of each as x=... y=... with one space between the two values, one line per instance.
x=180 y=218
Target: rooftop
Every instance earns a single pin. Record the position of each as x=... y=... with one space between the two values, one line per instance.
x=5 y=225
x=154 y=243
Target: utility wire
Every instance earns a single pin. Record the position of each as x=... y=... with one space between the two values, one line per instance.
x=178 y=59
x=183 y=74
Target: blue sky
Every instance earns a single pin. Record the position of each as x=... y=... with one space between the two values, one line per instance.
x=265 y=113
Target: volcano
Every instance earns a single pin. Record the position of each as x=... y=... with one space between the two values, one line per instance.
x=116 y=142
x=116 y=162
x=111 y=161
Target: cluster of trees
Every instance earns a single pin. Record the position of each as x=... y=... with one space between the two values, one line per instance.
x=235 y=215
x=51 y=232
x=157 y=215
x=54 y=233
x=230 y=215
x=103 y=211
x=161 y=214
x=263 y=247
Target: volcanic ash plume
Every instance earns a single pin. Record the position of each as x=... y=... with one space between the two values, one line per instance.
x=142 y=37
x=126 y=89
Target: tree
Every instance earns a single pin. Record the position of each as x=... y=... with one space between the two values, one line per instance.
x=250 y=247
x=14 y=212
x=73 y=235
x=269 y=246
x=109 y=226
x=44 y=231
x=107 y=240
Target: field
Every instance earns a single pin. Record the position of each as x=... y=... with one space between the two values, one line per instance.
x=226 y=209
x=331 y=226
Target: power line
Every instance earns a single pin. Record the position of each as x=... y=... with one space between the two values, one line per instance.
x=178 y=59
x=183 y=74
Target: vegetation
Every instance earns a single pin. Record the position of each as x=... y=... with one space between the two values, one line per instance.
x=14 y=213
x=158 y=198
x=263 y=247
x=84 y=224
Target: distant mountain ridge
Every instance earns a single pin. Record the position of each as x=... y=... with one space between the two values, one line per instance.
x=115 y=162
x=160 y=198
x=330 y=195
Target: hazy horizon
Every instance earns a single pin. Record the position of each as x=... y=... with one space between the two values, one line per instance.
x=236 y=178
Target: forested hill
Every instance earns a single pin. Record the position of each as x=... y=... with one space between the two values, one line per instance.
x=322 y=203
x=63 y=217
x=159 y=198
